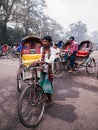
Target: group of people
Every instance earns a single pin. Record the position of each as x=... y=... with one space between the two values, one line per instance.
x=49 y=54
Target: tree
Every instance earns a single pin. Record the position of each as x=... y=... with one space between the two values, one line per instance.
x=52 y=28
x=77 y=30
x=14 y=35
x=6 y=7
x=28 y=14
x=94 y=37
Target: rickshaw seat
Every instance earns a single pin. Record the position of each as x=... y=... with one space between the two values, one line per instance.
x=27 y=59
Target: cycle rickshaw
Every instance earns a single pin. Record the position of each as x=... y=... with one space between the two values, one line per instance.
x=4 y=50
x=32 y=99
x=83 y=59
x=27 y=56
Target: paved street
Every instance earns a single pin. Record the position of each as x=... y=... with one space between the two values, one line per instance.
x=75 y=100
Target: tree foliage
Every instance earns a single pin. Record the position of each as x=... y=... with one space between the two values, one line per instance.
x=27 y=16
x=94 y=36
x=6 y=7
x=78 y=30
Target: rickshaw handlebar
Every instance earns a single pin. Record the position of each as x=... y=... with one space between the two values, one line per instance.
x=36 y=66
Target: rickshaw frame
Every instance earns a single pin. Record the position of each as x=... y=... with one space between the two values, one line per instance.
x=25 y=60
x=32 y=98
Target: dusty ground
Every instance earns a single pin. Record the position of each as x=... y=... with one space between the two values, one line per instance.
x=75 y=101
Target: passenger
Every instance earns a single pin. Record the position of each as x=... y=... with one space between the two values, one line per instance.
x=60 y=44
x=71 y=54
x=19 y=48
x=56 y=61
x=57 y=51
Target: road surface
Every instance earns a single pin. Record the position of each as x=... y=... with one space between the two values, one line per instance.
x=75 y=100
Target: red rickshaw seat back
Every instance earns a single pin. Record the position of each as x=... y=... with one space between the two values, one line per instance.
x=5 y=48
x=82 y=53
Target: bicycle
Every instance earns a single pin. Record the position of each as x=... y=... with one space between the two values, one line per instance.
x=32 y=100
x=58 y=68
x=13 y=54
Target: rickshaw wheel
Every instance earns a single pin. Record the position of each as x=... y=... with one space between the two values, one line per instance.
x=9 y=55
x=97 y=72
x=91 y=66
x=31 y=106
x=58 y=70
x=19 y=82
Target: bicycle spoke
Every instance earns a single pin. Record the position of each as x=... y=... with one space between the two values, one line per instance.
x=31 y=106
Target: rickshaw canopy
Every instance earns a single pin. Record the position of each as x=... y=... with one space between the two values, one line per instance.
x=31 y=39
x=87 y=43
x=29 y=55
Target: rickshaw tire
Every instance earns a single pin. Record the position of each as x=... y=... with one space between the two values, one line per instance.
x=92 y=60
x=19 y=87
x=20 y=114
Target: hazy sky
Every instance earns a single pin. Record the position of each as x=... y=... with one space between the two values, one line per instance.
x=66 y=12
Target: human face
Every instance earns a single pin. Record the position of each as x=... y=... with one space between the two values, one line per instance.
x=46 y=43
x=55 y=46
x=70 y=40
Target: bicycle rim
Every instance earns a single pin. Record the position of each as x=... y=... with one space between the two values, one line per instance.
x=91 y=66
x=31 y=106
x=58 y=71
x=20 y=83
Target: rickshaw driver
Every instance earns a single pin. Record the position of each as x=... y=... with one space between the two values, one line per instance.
x=46 y=77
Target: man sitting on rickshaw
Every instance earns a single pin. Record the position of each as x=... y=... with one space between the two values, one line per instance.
x=71 y=53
